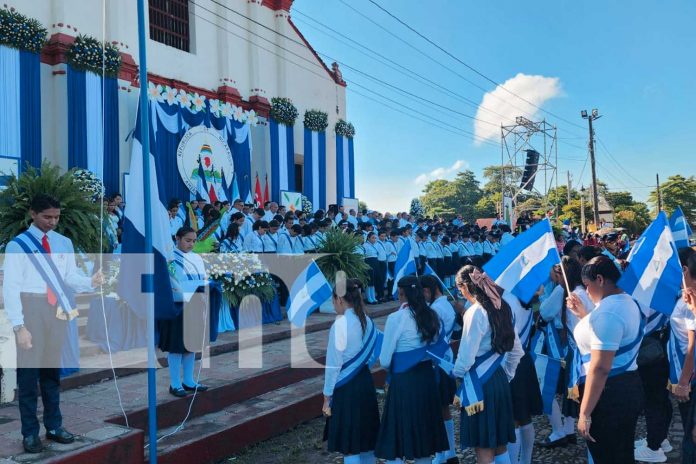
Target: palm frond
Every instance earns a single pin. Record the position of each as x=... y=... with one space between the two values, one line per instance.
x=339 y=249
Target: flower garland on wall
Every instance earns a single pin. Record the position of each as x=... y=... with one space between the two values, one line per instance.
x=344 y=129
x=283 y=111
x=19 y=31
x=88 y=54
x=316 y=120
x=195 y=103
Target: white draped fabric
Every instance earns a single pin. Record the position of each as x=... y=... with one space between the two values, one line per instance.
x=10 y=131
x=95 y=127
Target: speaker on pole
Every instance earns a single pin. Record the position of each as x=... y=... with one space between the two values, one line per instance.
x=530 y=168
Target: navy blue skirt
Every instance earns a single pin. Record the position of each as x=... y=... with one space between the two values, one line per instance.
x=569 y=408
x=526 y=395
x=494 y=426
x=446 y=387
x=354 y=422
x=412 y=425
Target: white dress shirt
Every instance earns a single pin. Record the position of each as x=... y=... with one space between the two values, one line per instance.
x=400 y=334
x=345 y=342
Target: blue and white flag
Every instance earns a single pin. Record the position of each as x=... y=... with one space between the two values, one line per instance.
x=653 y=276
x=133 y=261
x=681 y=230
x=234 y=188
x=201 y=184
x=309 y=291
x=405 y=265
x=525 y=263
x=548 y=369
x=430 y=271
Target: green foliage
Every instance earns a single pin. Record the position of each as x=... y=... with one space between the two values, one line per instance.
x=283 y=111
x=339 y=249
x=677 y=191
x=487 y=205
x=316 y=120
x=495 y=175
x=362 y=206
x=21 y=32
x=79 y=218
x=449 y=198
x=416 y=210
x=634 y=218
x=88 y=54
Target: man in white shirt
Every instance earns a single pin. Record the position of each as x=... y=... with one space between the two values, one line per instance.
x=35 y=311
x=270 y=209
x=352 y=218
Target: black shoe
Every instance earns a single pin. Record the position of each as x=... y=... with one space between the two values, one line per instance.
x=178 y=392
x=201 y=388
x=60 y=435
x=452 y=460
x=553 y=444
x=32 y=444
x=572 y=439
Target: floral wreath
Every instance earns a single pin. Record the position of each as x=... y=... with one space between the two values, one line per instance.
x=316 y=120
x=19 y=31
x=344 y=129
x=86 y=54
x=283 y=111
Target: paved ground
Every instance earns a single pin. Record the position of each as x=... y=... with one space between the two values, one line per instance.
x=303 y=445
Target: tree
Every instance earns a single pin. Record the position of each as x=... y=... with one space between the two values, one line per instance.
x=362 y=206
x=449 y=198
x=619 y=200
x=677 y=191
x=417 y=209
x=634 y=218
x=495 y=175
x=487 y=206
x=561 y=195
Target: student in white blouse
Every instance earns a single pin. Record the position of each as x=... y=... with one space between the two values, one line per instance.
x=487 y=333
x=412 y=426
x=350 y=401
x=610 y=336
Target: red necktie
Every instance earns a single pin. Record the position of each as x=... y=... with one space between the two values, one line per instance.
x=52 y=300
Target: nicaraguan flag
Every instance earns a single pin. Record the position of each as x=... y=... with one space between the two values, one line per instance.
x=547 y=369
x=653 y=276
x=133 y=259
x=405 y=265
x=525 y=263
x=430 y=271
x=681 y=230
x=377 y=350
x=309 y=291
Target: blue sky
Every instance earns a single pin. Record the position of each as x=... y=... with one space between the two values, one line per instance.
x=631 y=60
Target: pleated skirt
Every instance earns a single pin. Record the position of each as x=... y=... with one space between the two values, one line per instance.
x=494 y=426
x=446 y=387
x=524 y=388
x=354 y=422
x=412 y=425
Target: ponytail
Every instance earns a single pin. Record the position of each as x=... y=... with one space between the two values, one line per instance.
x=353 y=296
x=427 y=321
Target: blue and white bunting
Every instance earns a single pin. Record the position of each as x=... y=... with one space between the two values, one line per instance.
x=308 y=292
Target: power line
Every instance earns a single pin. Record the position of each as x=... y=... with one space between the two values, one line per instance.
x=468 y=65
x=620 y=165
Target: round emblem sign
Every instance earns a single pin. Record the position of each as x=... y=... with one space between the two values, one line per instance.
x=204 y=149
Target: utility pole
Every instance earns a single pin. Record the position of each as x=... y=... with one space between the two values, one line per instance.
x=582 y=209
x=569 y=185
x=659 y=194
x=595 y=196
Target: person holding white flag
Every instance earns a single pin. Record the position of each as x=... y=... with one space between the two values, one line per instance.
x=608 y=340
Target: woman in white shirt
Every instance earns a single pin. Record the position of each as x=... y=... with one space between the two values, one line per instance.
x=608 y=340
x=411 y=425
x=350 y=401
x=489 y=353
x=687 y=257
x=372 y=260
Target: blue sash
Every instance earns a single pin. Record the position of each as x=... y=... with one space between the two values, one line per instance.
x=470 y=392
x=402 y=361
x=676 y=361
x=44 y=265
x=372 y=345
x=655 y=322
x=526 y=330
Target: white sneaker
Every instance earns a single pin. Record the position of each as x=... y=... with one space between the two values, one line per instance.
x=666 y=446
x=645 y=454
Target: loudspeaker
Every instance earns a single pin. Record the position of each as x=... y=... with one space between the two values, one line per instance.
x=530 y=169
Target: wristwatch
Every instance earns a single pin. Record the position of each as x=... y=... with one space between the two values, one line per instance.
x=17 y=328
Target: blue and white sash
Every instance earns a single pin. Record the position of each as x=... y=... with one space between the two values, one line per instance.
x=676 y=361
x=526 y=330
x=368 y=354
x=44 y=265
x=655 y=322
x=470 y=393
x=548 y=370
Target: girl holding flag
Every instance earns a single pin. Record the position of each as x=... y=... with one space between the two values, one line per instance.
x=489 y=353
x=350 y=401
x=412 y=425
x=608 y=340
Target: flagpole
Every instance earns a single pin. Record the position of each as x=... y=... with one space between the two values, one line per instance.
x=147 y=211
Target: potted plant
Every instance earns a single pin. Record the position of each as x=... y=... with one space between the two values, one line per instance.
x=338 y=255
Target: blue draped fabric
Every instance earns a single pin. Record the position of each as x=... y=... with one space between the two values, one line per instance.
x=282 y=159
x=241 y=155
x=315 y=168
x=351 y=162
x=30 y=108
x=165 y=147
x=322 y=171
x=340 y=191
x=77 y=119
x=111 y=138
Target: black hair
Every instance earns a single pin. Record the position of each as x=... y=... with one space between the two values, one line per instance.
x=427 y=321
x=173 y=203
x=183 y=231
x=232 y=231
x=42 y=202
x=573 y=272
x=237 y=216
x=297 y=229
x=259 y=225
x=500 y=320
x=570 y=245
x=260 y=212
x=601 y=265
x=306 y=230
x=394 y=233
x=691 y=266
x=353 y=296
x=370 y=234
x=431 y=283
x=684 y=255
x=279 y=218
x=267 y=203
x=273 y=223
x=588 y=252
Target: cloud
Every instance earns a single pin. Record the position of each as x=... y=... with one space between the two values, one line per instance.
x=501 y=107
x=441 y=173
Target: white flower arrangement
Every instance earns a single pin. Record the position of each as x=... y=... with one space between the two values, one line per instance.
x=307 y=206
x=89 y=183
x=240 y=275
x=344 y=129
x=283 y=111
x=316 y=120
x=88 y=54
x=21 y=32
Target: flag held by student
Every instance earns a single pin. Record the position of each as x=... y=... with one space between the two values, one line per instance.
x=654 y=275
x=681 y=230
x=525 y=263
x=405 y=265
x=308 y=292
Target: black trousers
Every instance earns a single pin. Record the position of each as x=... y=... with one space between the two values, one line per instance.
x=658 y=407
x=38 y=367
x=614 y=419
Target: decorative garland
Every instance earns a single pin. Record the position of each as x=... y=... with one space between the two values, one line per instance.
x=86 y=54
x=89 y=183
x=241 y=275
x=307 y=206
x=316 y=120
x=283 y=111
x=345 y=129
x=195 y=102
x=21 y=32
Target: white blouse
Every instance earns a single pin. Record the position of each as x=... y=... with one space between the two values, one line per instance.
x=400 y=334
x=681 y=322
x=345 y=342
x=445 y=312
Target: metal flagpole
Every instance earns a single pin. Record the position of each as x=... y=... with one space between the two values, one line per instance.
x=147 y=210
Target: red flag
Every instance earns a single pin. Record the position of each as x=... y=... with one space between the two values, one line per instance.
x=266 y=196
x=211 y=193
x=258 y=198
